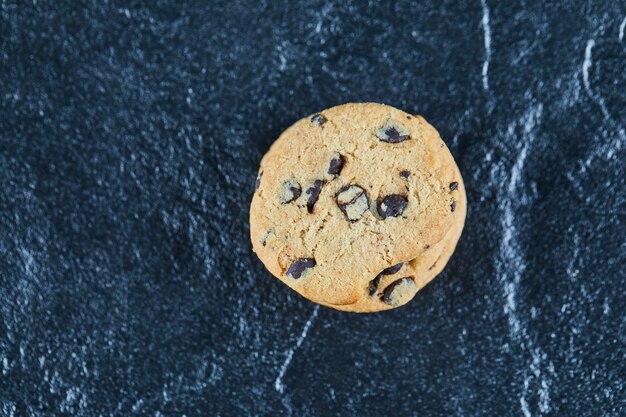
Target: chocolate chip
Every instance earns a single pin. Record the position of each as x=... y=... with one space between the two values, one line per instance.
x=290 y=191
x=266 y=237
x=313 y=192
x=392 y=132
x=318 y=119
x=353 y=202
x=454 y=186
x=392 y=269
x=453 y=205
x=373 y=287
x=392 y=206
x=389 y=294
x=258 y=181
x=408 y=117
x=299 y=267
x=426 y=246
x=405 y=174
x=336 y=164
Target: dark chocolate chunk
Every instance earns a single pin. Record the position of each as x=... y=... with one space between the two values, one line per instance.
x=318 y=119
x=392 y=135
x=392 y=132
x=299 y=267
x=387 y=296
x=454 y=186
x=405 y=174
x=258 y=181
x=453 y=205
x=353 y=202
x=392 y=269
x=291 y=191
x=373 y=286
x=392 y=206
x=336 y=164
x=313 y=192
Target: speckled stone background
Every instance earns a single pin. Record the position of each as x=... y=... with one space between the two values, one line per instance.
x=130 y=136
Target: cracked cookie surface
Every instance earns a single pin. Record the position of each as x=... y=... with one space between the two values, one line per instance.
x=349 y=192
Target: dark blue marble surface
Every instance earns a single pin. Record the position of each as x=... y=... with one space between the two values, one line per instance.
x=130 y=136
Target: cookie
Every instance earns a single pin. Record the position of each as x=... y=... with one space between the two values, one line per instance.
x=423 y=269
x=348 y=193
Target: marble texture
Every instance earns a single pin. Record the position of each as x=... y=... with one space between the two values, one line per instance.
x=130 y=136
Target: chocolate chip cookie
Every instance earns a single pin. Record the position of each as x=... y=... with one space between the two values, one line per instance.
x=346 y=195
x=422 y=269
